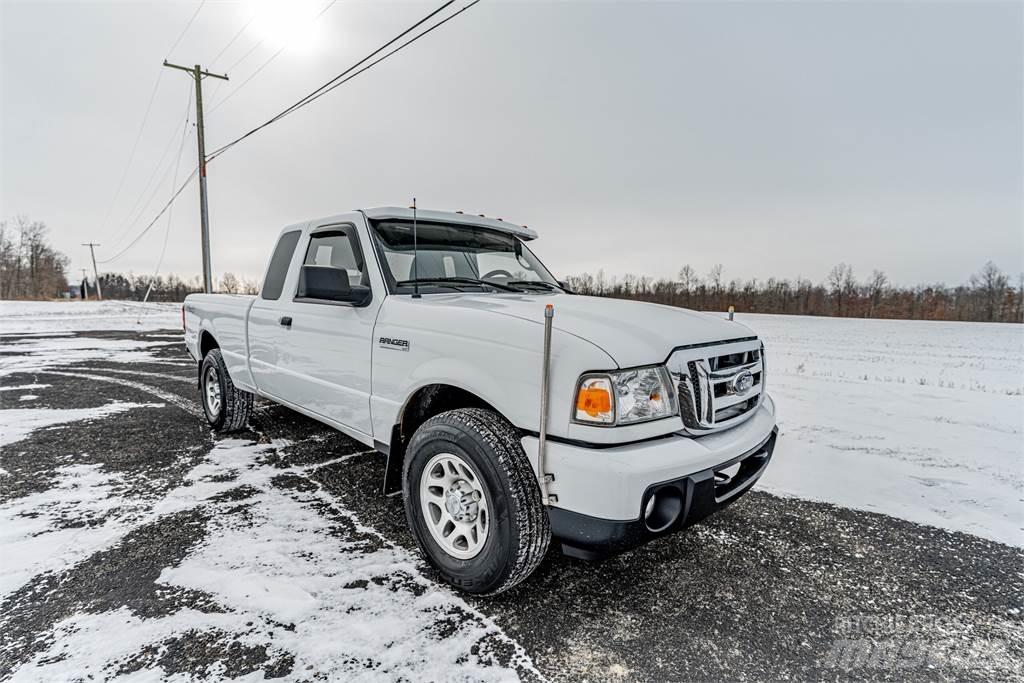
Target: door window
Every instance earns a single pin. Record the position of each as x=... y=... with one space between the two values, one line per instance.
x=337 y=248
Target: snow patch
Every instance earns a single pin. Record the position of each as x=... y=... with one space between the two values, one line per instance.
x=348 y=607
x=17 y=423
x=54 y=529
x=22 y=387
x=39 y=354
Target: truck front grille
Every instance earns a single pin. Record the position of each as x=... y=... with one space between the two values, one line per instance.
x=719 y=385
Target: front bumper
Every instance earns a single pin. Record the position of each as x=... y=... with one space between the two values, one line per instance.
x=697 y=496
x=602 y=492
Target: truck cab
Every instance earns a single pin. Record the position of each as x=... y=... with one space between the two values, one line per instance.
x=511 y=411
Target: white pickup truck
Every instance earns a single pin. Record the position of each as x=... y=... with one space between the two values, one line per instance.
x=510 y=410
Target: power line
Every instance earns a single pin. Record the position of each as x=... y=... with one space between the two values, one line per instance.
x=266 y=63
x=350 y=73
x=187 y=27
x=170 y=211
x=139 y=207
x=316 y=93
x=135 y=146
x=247 y=53
x=232 y=41
x=145 y=119
x=218 y=84
x=166 y=206
x=335 y=82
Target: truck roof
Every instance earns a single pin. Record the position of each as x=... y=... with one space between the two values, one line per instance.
x=403 y=213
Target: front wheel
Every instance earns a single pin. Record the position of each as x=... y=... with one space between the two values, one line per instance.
x=227 y=408
x=472 y=501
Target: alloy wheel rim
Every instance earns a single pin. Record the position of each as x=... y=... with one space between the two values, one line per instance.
x=454 y=505
x=211 y=385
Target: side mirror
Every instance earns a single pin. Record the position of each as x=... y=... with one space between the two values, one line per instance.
x=327 y=283
x=564 y=286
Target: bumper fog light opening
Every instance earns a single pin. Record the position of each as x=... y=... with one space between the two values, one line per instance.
x=663 y=509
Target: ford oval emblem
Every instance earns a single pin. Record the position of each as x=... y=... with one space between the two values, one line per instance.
x=741 y=383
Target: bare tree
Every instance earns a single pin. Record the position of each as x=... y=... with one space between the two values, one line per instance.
x=838 y=279
x=688 y=281
x=229 y=284
x=992 y=284
x=29 y=267
x=876 y=290
x=715 y=284
x=250 y=286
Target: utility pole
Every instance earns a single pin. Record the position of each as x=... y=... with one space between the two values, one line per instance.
x=96 y=273
x=198 y=74
x=85 y=290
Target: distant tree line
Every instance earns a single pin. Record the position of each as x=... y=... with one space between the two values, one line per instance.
x=167 y=287
x=988 y=296
x=29 y=267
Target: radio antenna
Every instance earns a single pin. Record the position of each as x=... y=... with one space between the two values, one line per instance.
x=415 y=255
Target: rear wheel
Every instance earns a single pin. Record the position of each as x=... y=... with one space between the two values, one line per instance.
x=227 y=408
x=472 y=501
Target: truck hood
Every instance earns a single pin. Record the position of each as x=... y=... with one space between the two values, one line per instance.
x=631 y=332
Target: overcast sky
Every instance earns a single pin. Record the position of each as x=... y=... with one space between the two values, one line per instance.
x=777 y=139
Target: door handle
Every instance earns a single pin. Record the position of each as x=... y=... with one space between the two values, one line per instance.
x=286 y=321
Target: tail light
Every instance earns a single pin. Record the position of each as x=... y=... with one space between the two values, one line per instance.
x=183 y=317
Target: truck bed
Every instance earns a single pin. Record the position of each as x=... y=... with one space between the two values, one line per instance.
x=225 y=316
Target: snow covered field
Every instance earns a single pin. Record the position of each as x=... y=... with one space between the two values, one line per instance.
x=920 y=420
x=26 y=317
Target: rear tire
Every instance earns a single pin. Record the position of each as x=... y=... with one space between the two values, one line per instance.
x=226 y=407
x=484 y=559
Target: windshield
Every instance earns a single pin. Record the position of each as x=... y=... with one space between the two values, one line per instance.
x=451 y=256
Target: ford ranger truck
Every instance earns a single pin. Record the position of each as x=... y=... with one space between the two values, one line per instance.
x=437 y=338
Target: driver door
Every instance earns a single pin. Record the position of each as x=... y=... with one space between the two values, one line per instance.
x=327 y=354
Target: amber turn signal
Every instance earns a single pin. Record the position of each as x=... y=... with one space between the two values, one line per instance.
x=593 y=401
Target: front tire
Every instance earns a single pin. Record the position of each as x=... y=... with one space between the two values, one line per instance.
x=472 y=501
x=227 y=408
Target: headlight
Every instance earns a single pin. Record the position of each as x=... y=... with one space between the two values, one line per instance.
x=625 y=397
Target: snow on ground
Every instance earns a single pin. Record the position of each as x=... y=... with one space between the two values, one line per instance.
x=17 y=423
x=22 y=387
x=54 y=529
x=25 y=317
x=26 y=355
x=920 y=420
x=287 y=583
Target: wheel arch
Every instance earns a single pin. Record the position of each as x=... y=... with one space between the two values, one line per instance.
x=422 y=404
x=207 y=343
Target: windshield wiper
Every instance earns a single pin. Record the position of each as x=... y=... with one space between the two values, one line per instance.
x=536 y=283
x=458 y=281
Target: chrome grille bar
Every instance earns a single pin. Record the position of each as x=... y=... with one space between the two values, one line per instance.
x=719 y=386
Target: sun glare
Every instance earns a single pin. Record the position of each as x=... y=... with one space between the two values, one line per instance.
x=291 y=23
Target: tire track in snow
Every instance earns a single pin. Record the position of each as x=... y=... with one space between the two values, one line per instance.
x=168 y=396
x=142 y=373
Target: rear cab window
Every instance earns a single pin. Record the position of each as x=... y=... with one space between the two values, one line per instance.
x=277 y=271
